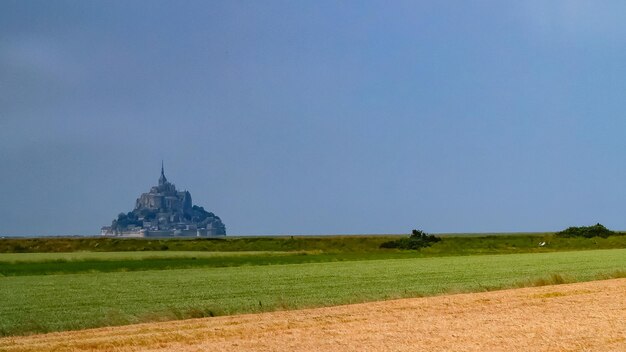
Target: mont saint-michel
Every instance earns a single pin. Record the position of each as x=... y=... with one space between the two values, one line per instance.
x=164 y=211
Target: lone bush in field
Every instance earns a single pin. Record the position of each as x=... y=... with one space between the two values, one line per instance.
x=596 y=230
x=418 y=239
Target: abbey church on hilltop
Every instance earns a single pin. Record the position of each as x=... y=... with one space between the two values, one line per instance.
x=164 y=211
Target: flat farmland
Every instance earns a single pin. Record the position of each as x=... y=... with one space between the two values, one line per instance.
x=586 y=316
x=46 y=303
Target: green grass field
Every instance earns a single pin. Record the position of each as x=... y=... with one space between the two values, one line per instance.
x=15 y=264
x=42 y=303
x=115 y=256
x=86 y=255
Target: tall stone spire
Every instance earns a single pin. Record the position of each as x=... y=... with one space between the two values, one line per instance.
x=162 y=179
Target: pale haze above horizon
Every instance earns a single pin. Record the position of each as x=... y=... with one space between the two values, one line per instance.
x=315 y=117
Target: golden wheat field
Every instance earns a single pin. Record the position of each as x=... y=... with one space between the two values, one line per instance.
x=588 y=316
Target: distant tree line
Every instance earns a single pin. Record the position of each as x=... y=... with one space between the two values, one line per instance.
x=596 y=230
x=418 y=239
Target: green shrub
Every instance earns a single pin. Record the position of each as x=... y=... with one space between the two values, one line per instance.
x=418 y=239
x=596 y=230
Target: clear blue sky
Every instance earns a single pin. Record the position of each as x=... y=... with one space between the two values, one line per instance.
x=315 y=117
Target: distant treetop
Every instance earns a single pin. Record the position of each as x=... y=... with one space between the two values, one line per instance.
x=596 y=230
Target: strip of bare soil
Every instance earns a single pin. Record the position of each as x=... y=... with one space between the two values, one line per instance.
x=587 y=316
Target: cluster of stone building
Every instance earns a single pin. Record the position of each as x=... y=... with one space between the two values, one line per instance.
x=164 y=211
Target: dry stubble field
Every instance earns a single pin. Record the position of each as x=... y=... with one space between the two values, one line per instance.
x=588 y=316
